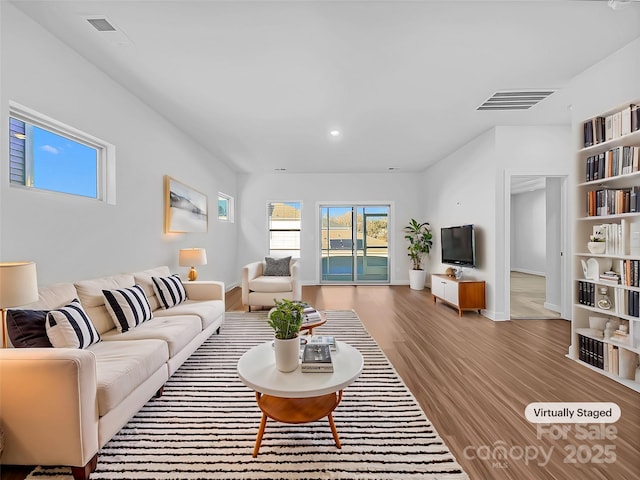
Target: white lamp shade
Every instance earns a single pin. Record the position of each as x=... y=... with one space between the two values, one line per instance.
x=18 y=284
x=192 y=256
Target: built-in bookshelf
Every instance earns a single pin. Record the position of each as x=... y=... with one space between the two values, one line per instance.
x=605 y=332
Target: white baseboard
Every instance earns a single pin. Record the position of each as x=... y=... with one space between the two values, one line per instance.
x=231 y=286
x=496 y=316
x=552 y=307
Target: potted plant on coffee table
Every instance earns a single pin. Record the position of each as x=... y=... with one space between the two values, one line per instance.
x=286 y=320
x=420 y=239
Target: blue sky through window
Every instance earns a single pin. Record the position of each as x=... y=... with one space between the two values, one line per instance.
x=64 y=165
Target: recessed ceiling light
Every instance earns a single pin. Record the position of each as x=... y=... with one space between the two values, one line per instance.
x=334 y=133
x=280 y=169
x=393 y=169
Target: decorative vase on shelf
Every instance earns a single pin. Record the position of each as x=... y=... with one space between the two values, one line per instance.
x=596 y=247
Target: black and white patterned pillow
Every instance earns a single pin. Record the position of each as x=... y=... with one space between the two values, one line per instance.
x=71 y=327
x=277 y=267
x=128 y=307
x=169 y=290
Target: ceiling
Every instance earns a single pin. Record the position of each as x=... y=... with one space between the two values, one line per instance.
x=260 y=84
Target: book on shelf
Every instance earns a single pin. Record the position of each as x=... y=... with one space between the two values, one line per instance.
x=316 y=358
x=588 y=133
x=613 y=359
x=614 y=125
x=323 y=340
x=630 y=272
x=625 y=121
x=616 y=161
x=587 y=293
x=610 y=277
x=591 y=351
x=609 y=201
x=634 y=111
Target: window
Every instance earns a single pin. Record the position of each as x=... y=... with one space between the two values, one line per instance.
x=47 y=155
x=285 y=220
x=225 y=208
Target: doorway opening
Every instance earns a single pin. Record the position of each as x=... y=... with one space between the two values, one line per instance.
x=537 y=263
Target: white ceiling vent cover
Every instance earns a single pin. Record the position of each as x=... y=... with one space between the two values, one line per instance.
x=515 y=100
x=101 y=24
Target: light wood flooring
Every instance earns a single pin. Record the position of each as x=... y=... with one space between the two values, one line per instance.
x=474 y=377
x=528 y=294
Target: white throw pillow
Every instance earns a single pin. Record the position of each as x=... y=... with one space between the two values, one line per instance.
x=169 y=290
x=71 y=327
x=128 y=307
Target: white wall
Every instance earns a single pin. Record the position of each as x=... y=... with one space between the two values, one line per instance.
x=255 y=191
x=529 y=230
x=461 y=190
x=608 y=84
x=72 y=238
x=554 y=250
x=472 y=185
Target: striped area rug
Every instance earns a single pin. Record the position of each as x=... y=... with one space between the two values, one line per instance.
x=205 y=424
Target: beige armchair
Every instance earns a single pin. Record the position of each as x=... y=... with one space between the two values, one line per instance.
x=260 y=290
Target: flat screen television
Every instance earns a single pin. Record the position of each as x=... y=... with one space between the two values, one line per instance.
x=458 y=245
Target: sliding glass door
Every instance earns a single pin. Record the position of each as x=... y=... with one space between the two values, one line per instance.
x=355 y=243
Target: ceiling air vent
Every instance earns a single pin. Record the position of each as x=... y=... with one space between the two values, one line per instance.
x=101 y=24
x=515 y=100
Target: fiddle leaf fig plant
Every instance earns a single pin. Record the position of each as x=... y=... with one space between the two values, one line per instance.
x=420 y=241
x=286 y=319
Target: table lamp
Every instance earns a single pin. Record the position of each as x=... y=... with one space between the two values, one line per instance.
x=18 y=286
x=190 y=257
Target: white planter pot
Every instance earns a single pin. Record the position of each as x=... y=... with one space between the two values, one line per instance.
x=287 y=354
x=417 y=279
x=596 y=247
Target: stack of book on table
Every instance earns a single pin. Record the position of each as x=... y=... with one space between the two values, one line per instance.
x=311 y=315
x=323 y=340
x=316 y=358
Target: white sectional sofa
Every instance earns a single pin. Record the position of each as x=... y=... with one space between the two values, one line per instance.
x=59 y=406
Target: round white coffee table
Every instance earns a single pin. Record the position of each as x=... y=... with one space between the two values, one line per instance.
x=297 y=397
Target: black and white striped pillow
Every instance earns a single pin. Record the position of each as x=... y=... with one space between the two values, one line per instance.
x=128 y=307
x=71 y=327
x=169 y=290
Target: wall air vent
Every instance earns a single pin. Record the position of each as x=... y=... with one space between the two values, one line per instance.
x=515 y=100
x=101 y=24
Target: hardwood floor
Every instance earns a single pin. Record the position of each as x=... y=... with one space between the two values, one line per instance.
x=474 y=377
x=528 y=294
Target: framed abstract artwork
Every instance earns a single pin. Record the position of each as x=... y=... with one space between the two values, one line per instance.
x=185 y=209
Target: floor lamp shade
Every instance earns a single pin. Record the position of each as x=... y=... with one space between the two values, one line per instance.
x=18 y=284
x=189 y=257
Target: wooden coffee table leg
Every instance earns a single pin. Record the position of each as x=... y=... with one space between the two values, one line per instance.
x=263 y=424
x=334 y=431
